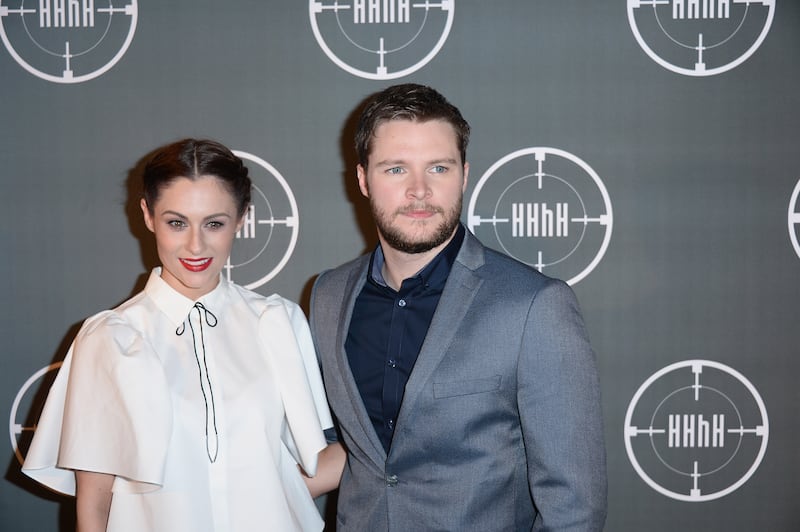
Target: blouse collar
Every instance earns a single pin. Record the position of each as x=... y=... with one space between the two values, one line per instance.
x=175 y=305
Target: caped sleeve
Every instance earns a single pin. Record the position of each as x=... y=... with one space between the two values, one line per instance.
x=108 y=411
x=311 y=363
x=287 y=341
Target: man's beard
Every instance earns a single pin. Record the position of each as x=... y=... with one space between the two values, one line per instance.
x=395 y=238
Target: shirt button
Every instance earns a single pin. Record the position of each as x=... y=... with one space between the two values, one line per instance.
x=390 y=424
x=402 y=303
x=391 y=480
x=392 y=363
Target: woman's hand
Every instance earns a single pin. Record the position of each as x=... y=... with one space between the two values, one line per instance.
x=330 y=463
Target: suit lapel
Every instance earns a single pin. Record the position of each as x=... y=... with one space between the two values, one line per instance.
x=459 y=291
x=372 y=446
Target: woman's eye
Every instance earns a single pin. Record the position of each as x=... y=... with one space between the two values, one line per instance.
x=215 y=225
x=176 y=224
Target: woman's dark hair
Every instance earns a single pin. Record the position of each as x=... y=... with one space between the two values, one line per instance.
x=192 y=159
x=409 y=101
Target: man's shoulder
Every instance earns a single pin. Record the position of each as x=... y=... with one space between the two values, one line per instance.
x=504 y=269
x=330 y=285
x=500 y=261
x=342 y=273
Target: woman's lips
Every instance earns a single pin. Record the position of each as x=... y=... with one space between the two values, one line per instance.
x=196 y=265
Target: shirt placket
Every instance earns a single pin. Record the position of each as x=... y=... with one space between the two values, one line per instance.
x=392 y=388
x=214 y=414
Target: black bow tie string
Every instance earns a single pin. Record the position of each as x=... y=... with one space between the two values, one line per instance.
x=203 y=314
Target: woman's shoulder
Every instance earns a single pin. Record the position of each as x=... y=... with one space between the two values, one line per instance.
x=259 y=302
x=115 y=327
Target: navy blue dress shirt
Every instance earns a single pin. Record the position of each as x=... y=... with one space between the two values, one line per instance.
x=387 y=330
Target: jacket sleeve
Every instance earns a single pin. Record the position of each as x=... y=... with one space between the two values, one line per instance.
x=560 y=412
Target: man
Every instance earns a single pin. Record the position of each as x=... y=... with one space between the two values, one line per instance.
x=463 y=381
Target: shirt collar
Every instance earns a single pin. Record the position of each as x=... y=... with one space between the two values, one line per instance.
x=175 y=305
x=434 y=273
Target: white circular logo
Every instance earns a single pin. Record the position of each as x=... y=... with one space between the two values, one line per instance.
x=268 y=237
x=794 y=218
x=544 y=207
x=700 y=37
x=696 y=430
x=381 y=39
x=29 y=403
x=67 y=41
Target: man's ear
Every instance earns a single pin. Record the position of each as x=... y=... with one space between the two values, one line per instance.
x=361 y=173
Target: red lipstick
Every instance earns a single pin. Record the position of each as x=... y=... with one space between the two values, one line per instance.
x=196 y=265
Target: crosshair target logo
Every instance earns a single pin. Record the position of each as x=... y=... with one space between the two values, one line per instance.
x=268 y=237
x=381 y=39
x=696 y=430
x=27 y=408
x=544 y=207
x=67 y=41
x=794 y=218
x=700 y=37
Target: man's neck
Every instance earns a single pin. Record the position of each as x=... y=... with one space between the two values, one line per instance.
x=399 y=265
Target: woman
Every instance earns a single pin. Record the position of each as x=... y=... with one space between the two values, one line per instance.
x=190 y=406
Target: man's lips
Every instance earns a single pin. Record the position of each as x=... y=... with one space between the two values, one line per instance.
x=420 y=212
x=196 y=265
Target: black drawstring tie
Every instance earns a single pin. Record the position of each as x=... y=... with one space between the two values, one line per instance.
x=205 y=379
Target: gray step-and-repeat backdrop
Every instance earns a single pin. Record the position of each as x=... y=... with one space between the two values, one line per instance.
x=646 y=151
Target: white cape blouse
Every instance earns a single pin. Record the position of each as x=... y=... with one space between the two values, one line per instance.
x=202 y=410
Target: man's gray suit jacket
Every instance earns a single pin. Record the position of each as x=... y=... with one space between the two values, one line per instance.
x=500 y=426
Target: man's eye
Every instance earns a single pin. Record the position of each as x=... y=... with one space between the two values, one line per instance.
x=439 y=169
x=395 y=170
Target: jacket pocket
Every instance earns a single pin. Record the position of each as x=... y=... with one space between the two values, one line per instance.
x=468 y=387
